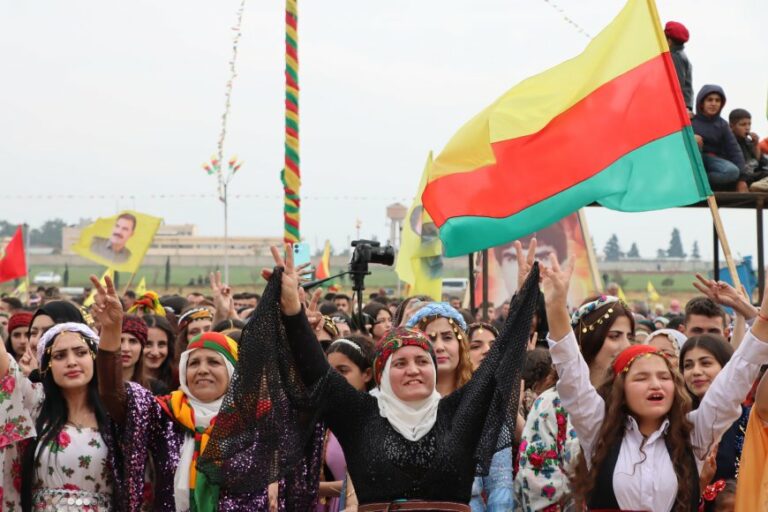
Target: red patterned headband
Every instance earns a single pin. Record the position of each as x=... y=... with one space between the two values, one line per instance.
x=627 y=357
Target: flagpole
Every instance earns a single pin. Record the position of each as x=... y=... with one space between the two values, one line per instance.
x=591 y=258
x=713 y=208
x=129 y=283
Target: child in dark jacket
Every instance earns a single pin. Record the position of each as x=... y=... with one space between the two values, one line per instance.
x=756 y=168
x=722 y=157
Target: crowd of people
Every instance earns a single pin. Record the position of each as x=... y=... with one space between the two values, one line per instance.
x=733 y=155
x=297 y=401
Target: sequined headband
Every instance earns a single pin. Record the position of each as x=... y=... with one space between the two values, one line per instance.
x=343 y=341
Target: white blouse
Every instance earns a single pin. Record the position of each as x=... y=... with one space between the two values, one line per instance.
x=644 y=478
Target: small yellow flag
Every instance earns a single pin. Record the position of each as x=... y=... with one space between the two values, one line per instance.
x=141 y=288
x=20 y=290
x=653 y=295
x=91 y=298
x=622 y=297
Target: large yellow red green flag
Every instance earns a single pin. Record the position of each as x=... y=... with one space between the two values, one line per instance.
x=608 y=125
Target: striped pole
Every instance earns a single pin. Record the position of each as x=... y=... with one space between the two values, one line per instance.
x=291 y=175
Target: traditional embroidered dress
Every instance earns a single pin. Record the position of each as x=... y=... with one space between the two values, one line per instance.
x=438 y=464
x=74 y=471
x=549 y=450
x=164 y=428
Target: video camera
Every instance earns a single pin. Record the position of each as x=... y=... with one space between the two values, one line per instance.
x=370 y=251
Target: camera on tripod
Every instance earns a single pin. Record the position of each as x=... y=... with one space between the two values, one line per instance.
x=370 y=251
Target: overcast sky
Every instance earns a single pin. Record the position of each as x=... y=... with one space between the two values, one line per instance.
x=116 y=99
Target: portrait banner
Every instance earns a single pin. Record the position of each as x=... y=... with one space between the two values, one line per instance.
x=118 y=242
x=566 y=239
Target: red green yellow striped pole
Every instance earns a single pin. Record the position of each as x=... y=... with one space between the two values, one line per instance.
x=291 y=175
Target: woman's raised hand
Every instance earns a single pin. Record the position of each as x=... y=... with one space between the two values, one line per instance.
x=290 y=303
x=554 y=285
x=107 y=308
x=555 y=281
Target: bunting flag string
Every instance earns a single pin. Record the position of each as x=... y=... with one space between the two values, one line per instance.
x=568 y=19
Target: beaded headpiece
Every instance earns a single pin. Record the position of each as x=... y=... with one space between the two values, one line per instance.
x=590 y=307
x=437 y=309
x=46 y=341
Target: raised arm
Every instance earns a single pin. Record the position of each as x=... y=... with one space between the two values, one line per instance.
x=109 y=313
x=222 y=299
x=726 y=295
x=579 y=397
x=721 y=405
x=305 y=348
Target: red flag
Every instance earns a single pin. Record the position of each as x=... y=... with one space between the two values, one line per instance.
x=13 y=262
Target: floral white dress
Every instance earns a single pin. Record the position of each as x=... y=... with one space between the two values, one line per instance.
x=548 y=453
x=72 y=473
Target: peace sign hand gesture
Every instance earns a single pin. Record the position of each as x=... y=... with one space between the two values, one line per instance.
x=107 y=308
x=524 y=261
x=290 y=303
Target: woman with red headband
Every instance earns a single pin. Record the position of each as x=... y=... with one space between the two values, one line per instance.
x=407 y=448
x=642 y=444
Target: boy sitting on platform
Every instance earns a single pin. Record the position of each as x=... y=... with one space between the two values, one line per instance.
x=756 y=169
x=722 y=157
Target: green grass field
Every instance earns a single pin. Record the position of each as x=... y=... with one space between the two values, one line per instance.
x=242 y=278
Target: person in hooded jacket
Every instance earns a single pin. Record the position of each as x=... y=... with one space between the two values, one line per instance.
x=720 y=152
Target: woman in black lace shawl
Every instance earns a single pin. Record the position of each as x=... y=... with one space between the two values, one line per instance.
x=272 y=407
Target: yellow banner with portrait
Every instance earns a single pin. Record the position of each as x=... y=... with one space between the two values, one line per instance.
x=119 y=242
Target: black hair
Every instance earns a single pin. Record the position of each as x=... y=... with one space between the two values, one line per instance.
x=362 y=358
x=737 y=115
x=13 y=302
x=372 y=310
x=704 y=306
x=328 y=308
x=676 y=321
x=166 y=370
x=130 y=294
x=52 y=418
x=342 y=296
x=177 y=303
x=538 y=366
x=229 y=323
x=403 y=306
x=716 y=345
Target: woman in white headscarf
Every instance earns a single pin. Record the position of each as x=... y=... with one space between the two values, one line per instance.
x=407 y=444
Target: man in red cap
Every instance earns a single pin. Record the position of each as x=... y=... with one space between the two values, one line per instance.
x=677 y=36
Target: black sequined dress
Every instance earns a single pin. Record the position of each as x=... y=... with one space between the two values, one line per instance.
x=293 y=386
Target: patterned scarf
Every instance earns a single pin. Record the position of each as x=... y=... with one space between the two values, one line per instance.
x=181 y=406
x=203 y=495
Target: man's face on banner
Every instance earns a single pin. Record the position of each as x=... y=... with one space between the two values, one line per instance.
x=509 y=266
x=122 y=231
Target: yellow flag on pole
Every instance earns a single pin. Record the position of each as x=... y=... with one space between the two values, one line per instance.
x=420 y=259
x=20 y=290
x=141 y=288
x=118 y=242
x=91 y=297
x=621 y=295
x=653 y=295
